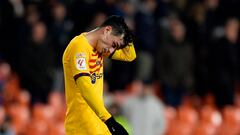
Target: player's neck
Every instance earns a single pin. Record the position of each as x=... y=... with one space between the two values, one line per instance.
x=92 y=37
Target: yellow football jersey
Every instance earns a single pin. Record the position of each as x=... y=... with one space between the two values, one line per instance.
x=83 y=75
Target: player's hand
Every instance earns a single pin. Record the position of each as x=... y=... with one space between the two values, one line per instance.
x=115 y=128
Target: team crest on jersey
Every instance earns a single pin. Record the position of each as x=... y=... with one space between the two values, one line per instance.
x=98 y=62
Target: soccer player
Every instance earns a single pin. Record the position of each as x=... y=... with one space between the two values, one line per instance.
x=83 y=74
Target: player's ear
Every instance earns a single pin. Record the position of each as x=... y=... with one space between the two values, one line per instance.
x=107 y=29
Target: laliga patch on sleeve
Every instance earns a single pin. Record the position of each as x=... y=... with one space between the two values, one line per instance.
x=81 y=63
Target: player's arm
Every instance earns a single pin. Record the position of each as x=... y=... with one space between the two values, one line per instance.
x=125 y=54
x=80 y=73
x=93 y=99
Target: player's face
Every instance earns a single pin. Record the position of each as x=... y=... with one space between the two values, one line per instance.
x=108 y=42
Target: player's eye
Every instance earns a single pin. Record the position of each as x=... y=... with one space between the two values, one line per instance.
x=115 y=45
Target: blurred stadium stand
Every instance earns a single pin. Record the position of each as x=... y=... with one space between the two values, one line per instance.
x=188 y=55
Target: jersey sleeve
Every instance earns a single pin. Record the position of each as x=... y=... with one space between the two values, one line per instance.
x=126 y=54
x=95 y=101
x=82 y=77
x=79 y=60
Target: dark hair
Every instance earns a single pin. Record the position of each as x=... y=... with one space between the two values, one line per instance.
x=119 y=27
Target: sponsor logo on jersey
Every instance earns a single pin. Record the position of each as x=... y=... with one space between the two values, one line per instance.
x=95 y=76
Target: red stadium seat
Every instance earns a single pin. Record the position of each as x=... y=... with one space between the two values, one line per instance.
x=205 y=129
x=210 y=115
x=20 y=116
x=231 y=121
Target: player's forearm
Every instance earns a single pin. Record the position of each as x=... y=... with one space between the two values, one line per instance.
x=126 y=54
x=93 y=99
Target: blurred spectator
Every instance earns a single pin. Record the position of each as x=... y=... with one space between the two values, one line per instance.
x=112 y=7
x=164 y=8
x=36 y=64
x=213 y=16
x=5 y=71
x=5 y=128
x=60 y=29
x=77 y=13
x=144 y=111
x=197 y=35
x=97 y=20
x=225 y=64
x=146 y=39
x=175 y=64
x=31 y=17
x=233 y=9
x=11 y=11
x=129 y=11
x=180 y=7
